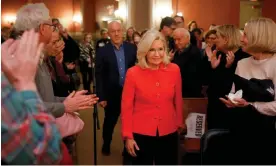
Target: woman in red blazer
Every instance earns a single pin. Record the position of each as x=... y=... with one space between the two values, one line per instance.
x=152 y=104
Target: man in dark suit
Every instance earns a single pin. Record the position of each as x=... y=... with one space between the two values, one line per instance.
x=188 y=58
x=112 y=62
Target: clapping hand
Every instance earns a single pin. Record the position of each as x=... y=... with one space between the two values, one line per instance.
x=20 y=60
x=78 y=101
x=237 y=102
x=212 y=56
x=230 y=57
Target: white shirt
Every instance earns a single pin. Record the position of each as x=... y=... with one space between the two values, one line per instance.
x=260 y=69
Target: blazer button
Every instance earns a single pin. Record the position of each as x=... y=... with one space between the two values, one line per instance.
x=157 y=84
x=158 y=95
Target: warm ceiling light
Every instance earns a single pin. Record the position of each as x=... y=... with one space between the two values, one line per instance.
x=9 y=18
x=179 y=14
x=77 y=18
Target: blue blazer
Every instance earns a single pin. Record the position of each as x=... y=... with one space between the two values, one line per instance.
x=107 y=73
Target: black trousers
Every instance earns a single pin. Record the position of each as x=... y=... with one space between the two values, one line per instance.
x=112 y=113
x=158 y=150
x=87 y=77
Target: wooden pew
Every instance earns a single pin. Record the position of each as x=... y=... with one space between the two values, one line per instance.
x=193 y=105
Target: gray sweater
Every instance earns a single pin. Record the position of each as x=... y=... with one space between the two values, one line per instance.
x=45 y=89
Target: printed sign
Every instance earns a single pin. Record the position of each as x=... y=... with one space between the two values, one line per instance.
x=195 y=125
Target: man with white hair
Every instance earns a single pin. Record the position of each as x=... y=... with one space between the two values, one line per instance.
x=188 y=58
x=36 y=16
x=112 y=62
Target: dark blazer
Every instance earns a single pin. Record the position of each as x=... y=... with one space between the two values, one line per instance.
x=107 y=73
x=189 y=62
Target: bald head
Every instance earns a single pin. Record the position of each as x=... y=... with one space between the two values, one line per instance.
x=115 y=33
x=181 y=38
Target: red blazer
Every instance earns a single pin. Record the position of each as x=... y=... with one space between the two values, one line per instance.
x=152 y=99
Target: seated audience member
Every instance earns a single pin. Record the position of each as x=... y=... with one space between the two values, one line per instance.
x=23 y=114
x=222 y=64
x=104 y=39
x=254 y=115
x=87 y=58
x=40 y=20
x=188 y=59
x=152 y=104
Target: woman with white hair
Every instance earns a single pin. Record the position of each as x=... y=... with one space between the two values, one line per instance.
x=152 y=104
x=254 y=114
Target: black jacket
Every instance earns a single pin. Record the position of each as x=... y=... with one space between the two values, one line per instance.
x=189 y=62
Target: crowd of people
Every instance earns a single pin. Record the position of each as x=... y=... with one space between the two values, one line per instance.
x=143 y=78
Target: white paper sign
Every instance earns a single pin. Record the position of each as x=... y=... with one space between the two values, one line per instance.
x=195 y=123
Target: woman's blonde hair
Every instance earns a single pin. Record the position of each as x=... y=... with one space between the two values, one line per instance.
x=145 y=44
x=232 y=34
x=261 y=35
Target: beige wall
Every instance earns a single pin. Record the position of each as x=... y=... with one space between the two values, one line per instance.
x=140 y=14
x=247 y=12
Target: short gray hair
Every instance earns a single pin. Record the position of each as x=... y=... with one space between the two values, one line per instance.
x=183 y=31
x=31 y=16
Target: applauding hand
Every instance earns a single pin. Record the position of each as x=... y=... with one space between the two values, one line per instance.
x=212 y=56
x=20 y=60
x=236 y=103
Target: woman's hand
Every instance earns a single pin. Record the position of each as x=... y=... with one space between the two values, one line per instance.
x=20 y=59
x=229 y=59
x=131 y=146
x=236 y=103
x=212 y=56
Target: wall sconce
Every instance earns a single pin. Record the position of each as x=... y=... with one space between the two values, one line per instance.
x=119 y=13
x=9 y=18
x=77 y=18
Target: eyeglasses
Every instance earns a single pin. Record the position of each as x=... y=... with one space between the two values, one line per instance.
x=52 y=26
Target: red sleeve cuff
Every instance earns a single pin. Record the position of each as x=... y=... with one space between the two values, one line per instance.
x=127 y=136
